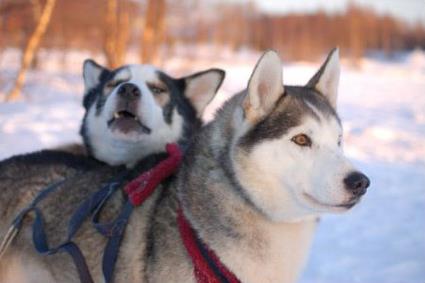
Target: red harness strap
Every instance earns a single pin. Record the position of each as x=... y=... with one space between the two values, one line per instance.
x=207 y=266
x=139 y=189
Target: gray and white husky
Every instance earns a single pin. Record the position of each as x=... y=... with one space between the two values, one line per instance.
x=252 y=184
x=131 y=113
x=135 y=110
x=169 y=108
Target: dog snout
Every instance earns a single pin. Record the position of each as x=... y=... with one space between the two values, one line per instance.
x=357 y=183
x=129 y=91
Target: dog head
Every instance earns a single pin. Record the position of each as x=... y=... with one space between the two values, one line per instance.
x=287 y=150
x=135 y=110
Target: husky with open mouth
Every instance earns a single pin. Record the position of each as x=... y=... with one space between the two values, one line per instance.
x=135 y=110
x=117 y=123
x=252 y=184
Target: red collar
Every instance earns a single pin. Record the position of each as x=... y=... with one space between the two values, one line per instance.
x=207 y=266
x=139 y=189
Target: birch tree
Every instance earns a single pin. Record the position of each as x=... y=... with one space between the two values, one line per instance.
x=31 y=49
x=153 y=32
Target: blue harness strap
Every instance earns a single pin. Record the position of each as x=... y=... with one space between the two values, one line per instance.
x=92 y=205
x=17 y=222
x=40 y=239
x=40 y=243
x=115 y=232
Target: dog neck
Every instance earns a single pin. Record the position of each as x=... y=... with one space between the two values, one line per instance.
x=252 y=246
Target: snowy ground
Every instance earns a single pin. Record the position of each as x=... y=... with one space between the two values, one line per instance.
x=382 y=105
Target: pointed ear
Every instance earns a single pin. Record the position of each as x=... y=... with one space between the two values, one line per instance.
x=326 y=80
x=91 y=74
x=265 y=86
x=202 y=86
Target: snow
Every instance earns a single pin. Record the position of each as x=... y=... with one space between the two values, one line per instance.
x=381 y=103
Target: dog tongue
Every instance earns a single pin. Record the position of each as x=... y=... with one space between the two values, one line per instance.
x=125 y=125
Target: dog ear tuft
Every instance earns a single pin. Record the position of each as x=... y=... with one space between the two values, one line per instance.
x=265 y=86
x=202 y=86
x=91 y=74
x=326 y=80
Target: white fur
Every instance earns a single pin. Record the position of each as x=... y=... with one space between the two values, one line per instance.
x=285 y=172
x=206 y=84
x=117 y=148
x=329 y=80
x=265 y=84
x=281 y=257
x=91 y=74
x=290 y=182
x=21 y=269
x=291 y=185
x=276 y=174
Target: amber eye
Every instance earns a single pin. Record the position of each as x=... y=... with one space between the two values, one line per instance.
x=302 y=140
x=156 y=89
x=113 y=83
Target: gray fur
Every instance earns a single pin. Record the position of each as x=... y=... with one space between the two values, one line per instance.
x=206 y=191
x=134 y=110
x=289 y=112
x=315 y=79
x=212 y=196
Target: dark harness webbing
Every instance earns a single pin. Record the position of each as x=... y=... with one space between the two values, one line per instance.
x=91 y=206
x=40 y=239
x=207 y=266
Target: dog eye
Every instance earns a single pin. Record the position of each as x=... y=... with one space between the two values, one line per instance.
x=301 y=140
x=156 y=89
x=113 y=84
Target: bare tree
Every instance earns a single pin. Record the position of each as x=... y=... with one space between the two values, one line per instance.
x=1 y=31
x=37 y=7
x=153 y=32
x=117 y=32
x=31 y=48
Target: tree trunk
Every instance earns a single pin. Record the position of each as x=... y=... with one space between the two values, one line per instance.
x=153 y=32
x=1 y=32
x=37 y=7
x=31 y=48
x=117 y=33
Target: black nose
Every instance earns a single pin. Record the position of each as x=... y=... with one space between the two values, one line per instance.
x=356 y=183
x=129 y=91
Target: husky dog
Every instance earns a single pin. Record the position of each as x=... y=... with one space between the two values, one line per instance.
x=136 y=110
x=131 y=112
x=252 y=183
x=174 y=115
x=116 y=103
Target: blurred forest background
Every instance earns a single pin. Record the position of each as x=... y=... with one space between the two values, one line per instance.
x=155 y=29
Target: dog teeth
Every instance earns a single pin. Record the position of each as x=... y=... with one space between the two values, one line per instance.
x=119 y=114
